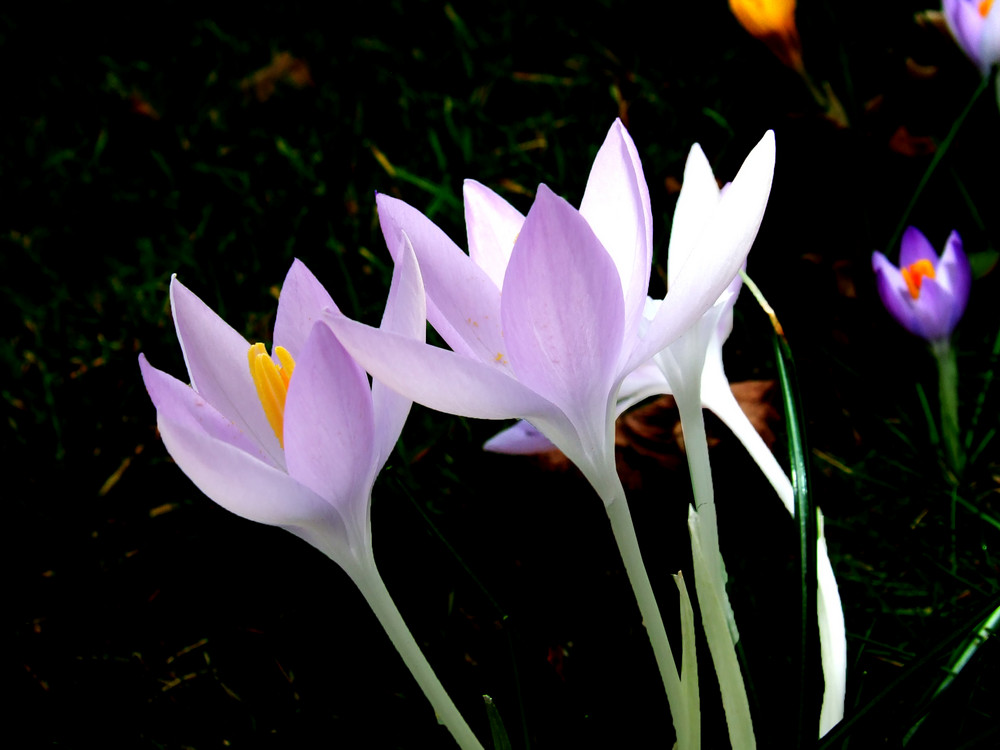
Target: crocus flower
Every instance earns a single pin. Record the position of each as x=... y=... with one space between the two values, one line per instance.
x=301 y=450
x=927 y=294
x=556 y=345
x=975 y=24
x=296 y=439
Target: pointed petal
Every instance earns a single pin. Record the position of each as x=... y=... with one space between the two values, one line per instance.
x=961 y=19
x=493 y=225
x=989 y=41
x=893 y=292
x=832 y=637
x=463 y=304
x=932 y=311
x=329 y=426
x=695 y=207
x=563 y=316
x=209 y=449
x=437 y=378
x=616 y=205
x=719 y=253
x=717 y=396
x=955 y=274
x=300 y=305
x=216 y=359
x=521 y=439
x=915 y=246
x=183 y=405
x=405 y=314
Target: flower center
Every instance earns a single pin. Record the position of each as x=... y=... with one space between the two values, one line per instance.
x=272 y=383
x=984 y=7
x=914 y=275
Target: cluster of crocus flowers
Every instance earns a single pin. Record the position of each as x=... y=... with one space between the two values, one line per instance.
x=548 y=321
x=296 y=440
x=975 y=25
x=545 y=320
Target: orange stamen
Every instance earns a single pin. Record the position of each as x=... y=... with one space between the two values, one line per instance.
x=984 y=7
x=272 y=382
x=914 y=275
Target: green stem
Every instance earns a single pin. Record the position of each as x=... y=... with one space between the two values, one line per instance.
x=806 y=520
x=710 y=575
x=942 y=149
x=378 y=597
x=684 y=705
x=947 y=364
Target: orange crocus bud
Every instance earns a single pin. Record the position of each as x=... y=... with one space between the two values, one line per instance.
x=773 y=22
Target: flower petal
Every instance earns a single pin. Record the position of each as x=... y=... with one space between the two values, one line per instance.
x=329 y=426
x=965 y=24
x=405 y=314
x=206 y=446
x=932 y=311
x=437 y=378
x=521 y=439
x=493 y=225
x=463 y=304
x=955 y=274
x=616 y=205
x=915 y=246
x=720 y=252
x=183 y=405
x=300 y=305
x=989 y=40
x=563 y=316
x=216 y=359
x=696 y=205
x=895 y=297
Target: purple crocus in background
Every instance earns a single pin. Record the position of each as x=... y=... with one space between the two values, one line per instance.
x=296 y=440
x=975 y=24
x=927 y=294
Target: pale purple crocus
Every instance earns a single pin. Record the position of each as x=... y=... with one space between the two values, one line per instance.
x=306 y=459
x=316 y=478
x=567 y=329
x=975 y=25
x=544 y=318
x=926 y=293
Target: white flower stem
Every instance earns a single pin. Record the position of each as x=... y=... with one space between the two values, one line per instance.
x=710 y=577
x=685 y=709
x=378 y=597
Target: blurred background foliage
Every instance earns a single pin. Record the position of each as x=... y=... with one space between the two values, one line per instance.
x=221 y=145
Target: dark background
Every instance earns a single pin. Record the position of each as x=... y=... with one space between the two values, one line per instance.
x=137 y=146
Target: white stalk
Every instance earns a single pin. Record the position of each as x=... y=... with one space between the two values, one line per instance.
x=377 y=595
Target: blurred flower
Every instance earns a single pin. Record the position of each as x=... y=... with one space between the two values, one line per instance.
x=295 y=441
x=927 y=294
x=975 y=24
x=773 y=22
x=283 y=68
x=555 y=346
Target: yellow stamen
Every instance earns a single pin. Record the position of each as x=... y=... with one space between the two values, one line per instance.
x=272 y=383
x=984 y=7
x=914 y=275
